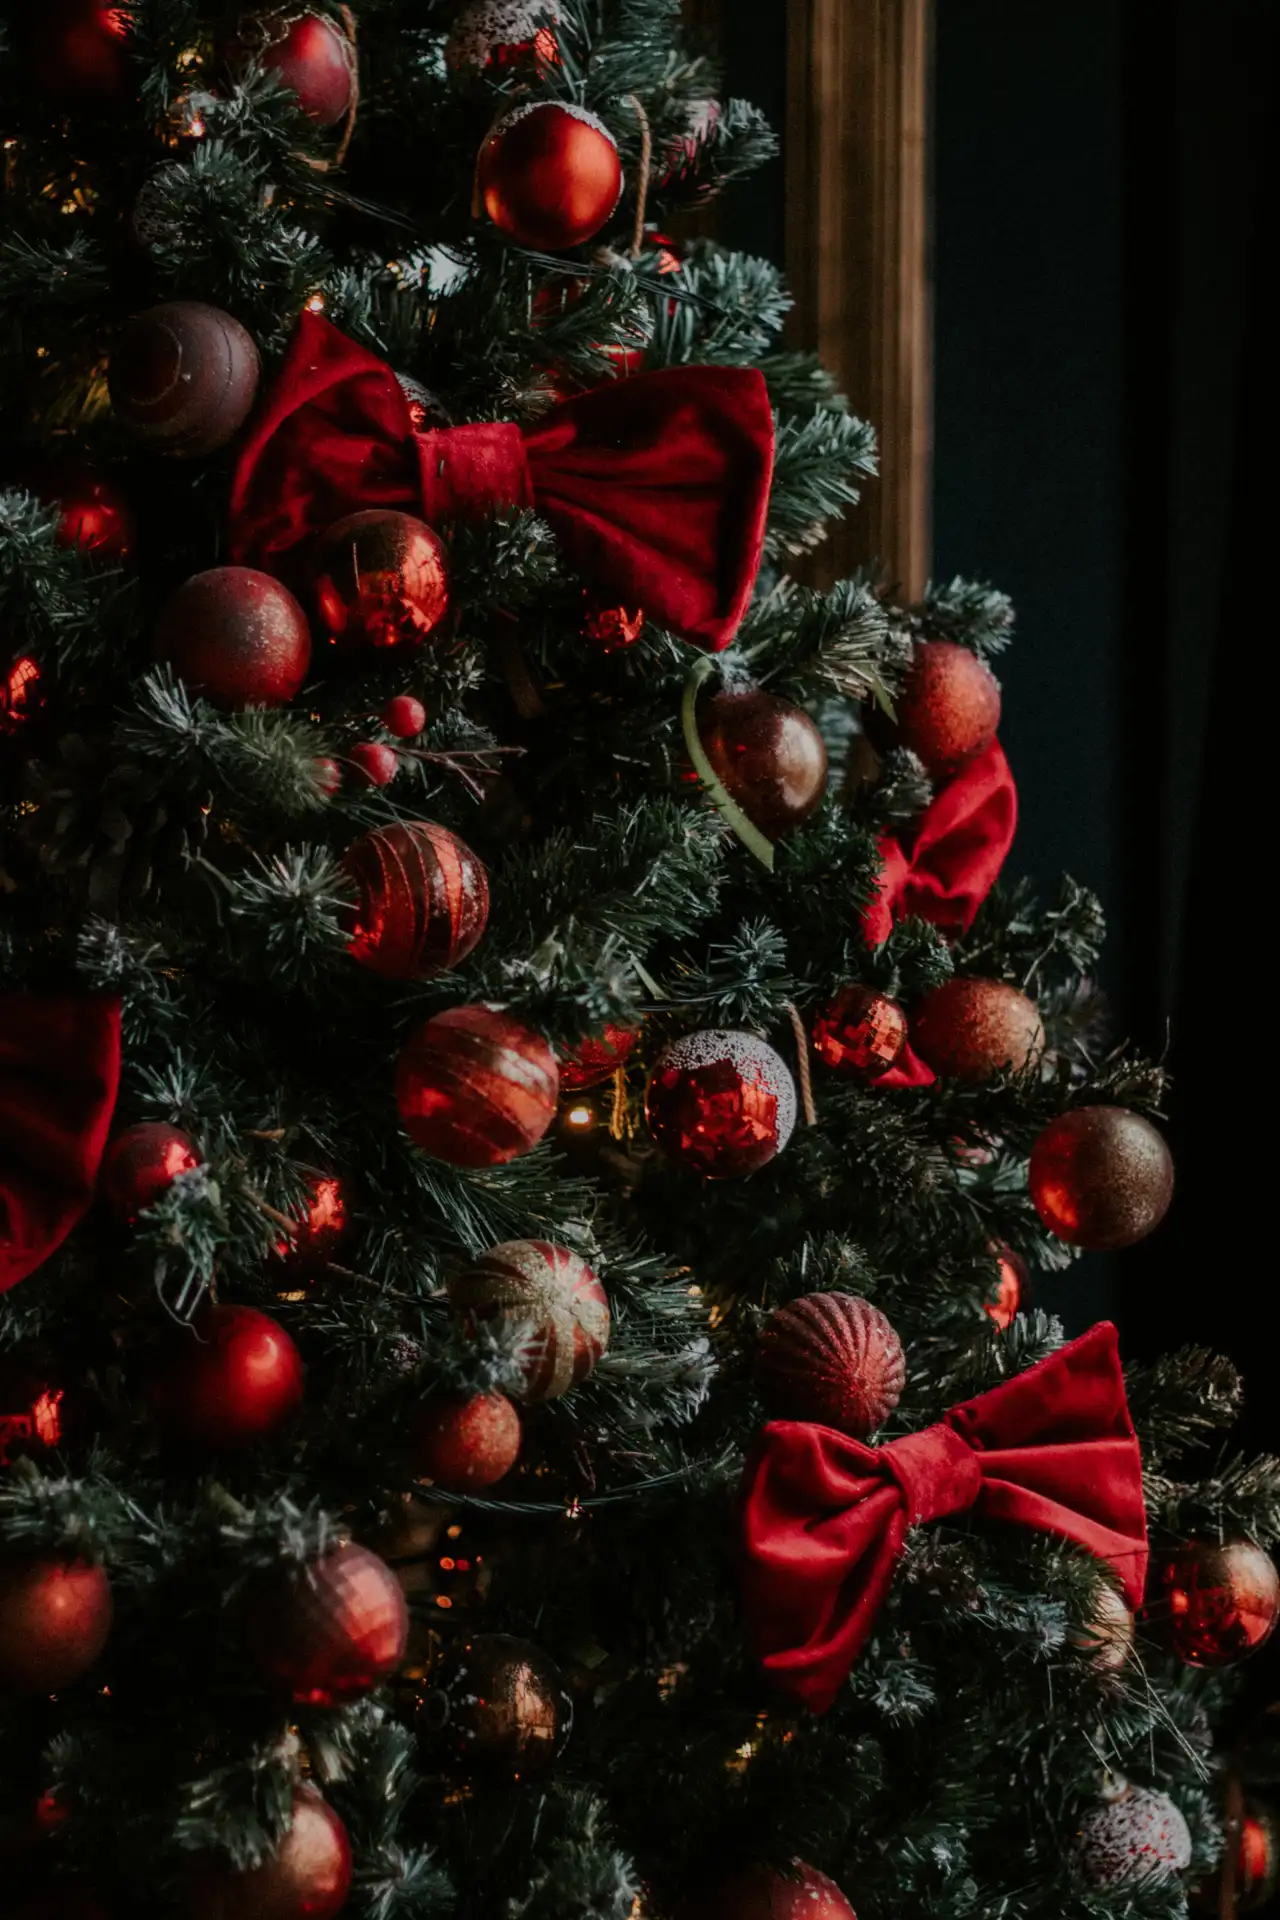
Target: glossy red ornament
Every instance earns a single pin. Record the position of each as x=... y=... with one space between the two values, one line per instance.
x=613 y=628
x=969 y=1029
x=551 y=1291
x=549 y=175
x=404 y=716
x=233 y=1378
x=77 y=50
x=502 y=1707
x=307 y=51
x=505 y=39
x=183 y=378
x=373 y=765
x=949 y=709
x=307 y=1878
x=320 y=1231
x=93 y=514
x=424 y=900
x=1101 y=1178
x=465 y=1442
x=142 y=1163
x=237 y=637
x=476 y=1088
x=860 y=1032
x=34 y=1416
x=1013 y=1288
x=55 y=1617
x=19 y=693
x=769 y=756
x=1213 y=1602
x=768 y=1893
x=330 y=1632
x=832 y=1358
x=721 y=1102
x=594 y=1059
x=380 y=579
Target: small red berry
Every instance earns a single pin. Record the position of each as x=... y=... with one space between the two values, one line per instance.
x=404 y=716
x=375 y=766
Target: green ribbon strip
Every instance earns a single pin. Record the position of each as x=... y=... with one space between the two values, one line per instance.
x=751 y=837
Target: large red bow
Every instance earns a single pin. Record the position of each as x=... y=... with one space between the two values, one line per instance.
x=657 y=488
x=826 y=1517
x=59 y=1074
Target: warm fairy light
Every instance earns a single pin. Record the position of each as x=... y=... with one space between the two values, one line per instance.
x=573 y=1508
x=580 y=1116
x=315 y=302
x=454 y=1532
x=196 y=127
x=188 y=58
x=46 y=1420
x=443 y=1600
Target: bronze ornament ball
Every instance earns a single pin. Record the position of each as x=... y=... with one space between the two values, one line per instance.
x=183 y=377
x=968 y=1029
x=502 y=1708
x=549 y=175
x=949 y=709
x=1101 y=1178
x=380 y=579
x=769 y=755
x=236 y=637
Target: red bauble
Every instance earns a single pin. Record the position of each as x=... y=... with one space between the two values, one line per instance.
x=19 y=693
x=949 y=709
x=593 y=1060
x=55 y=1616
x=404 y=716
x=465 y=1442
x=505 y=38
x=234 y=1378
x=1101 y=1178
x=1013 y=1288
x=503 y=1707
x=860 y=1032
x=142 y=1163
x=723 y=1103
x=183 y=378
x=373 y=765
x=770 y=757
x=92 y=513
x=77 y=50
x=307 y=1878
x=237 y=637
x=380 y=579
x=832 y=1358
x=308 y=51
x=548 y=175
x=424 y=900
x=1213 y=1602
x=321 y=1227
x=968 y=1029
x=766 y=1893
x=476 y=1088
x=33 y=1406
x=331 y=1632
x=556 y=1294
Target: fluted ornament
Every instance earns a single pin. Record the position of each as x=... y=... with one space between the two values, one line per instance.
x=832 y=1358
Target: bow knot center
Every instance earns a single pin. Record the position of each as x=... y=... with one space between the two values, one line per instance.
x=939 y=1473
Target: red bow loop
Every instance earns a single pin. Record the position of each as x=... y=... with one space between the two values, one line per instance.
x=826 y=1518
x=955 y=858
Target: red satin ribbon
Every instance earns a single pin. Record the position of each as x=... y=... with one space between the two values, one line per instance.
x=657 y=488
x=826 y=1517
x=59 y=1074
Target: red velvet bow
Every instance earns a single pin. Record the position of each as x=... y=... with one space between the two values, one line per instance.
x=657 y=487
x=826 y=1517
x=59 y=1073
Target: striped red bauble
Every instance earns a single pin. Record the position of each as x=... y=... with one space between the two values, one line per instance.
x=475 y=1087
x=424 y=900
x=552 y=1290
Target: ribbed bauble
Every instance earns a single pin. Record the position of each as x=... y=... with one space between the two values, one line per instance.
x=424 y=900
x=552 y=1291
x=475 y=1087
x=183 y=377
x=831 y=1358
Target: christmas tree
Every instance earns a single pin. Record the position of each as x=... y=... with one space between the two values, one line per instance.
x=529 y=1104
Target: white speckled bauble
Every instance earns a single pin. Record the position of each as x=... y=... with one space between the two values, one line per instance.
x=504 y=37
x=721 y=1102
x=1134 y=1834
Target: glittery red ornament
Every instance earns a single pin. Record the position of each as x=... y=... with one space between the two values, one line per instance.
x=142 y=1163
x=548 y=175
x=332 y=1631
x=769 y=1893
x=321 y=1228
x=183 y=378
x=373 y=765
x=613 y=628
x=860 y=1032
x=594 y=1059
x=233 y=1378
x=237 y=637
x=465 y=1442
x=1013 y=1288
x=1213 y=1602
x=93 y=514
x=55 y=1616
x=502 y=1707
x=555 y=1294
x=1133 y=1836
x=505 y=39
x=19 y=693
x=476 y=1088
x=968 y=1029
x=77 y=50
x=380 y=579
x=1101 y=1178
x=307 y=1878
x=949 y=709
x=832 y=1358
x=769 y=756
x=309 y=52
x=404 y=716
x=424 y=900
x=720 y=1102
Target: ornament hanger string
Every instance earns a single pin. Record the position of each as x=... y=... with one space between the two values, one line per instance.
x=749 y=834
x=646 y=169
x=802 y=1065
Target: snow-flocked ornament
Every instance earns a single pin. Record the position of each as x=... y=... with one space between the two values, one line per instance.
x=1134 y=1834
x=721 y=1102
x=504 y=38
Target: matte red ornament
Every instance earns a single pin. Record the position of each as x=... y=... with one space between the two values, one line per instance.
x=424 y=900
x=969 y=1029
x=380 y=579
x=1101 y=1178
x=1213 y=1602
x=1013 y=1288
x=231 y=1379
x=77 y=50
x=505 y=39
x=307 y=51
x=548 y=175
x=860 y=1032
x=332 y=1631
x=833 y=1358
x=949 y=709
x=555 y=1294
x=93 y=514
x=404 y=716
x=502 y=1707
x=770 y=1893
x=721 y=1102
x=237 y=637
x=373 y=765
x=465 y=1442
x=476 y=1088
x=769 y=756
x=307 y=1878
x=55 y=1617
x=183 y=378
x=594 y=1059
x=142 y=1163
x=320 y=1230
x=20 y=694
